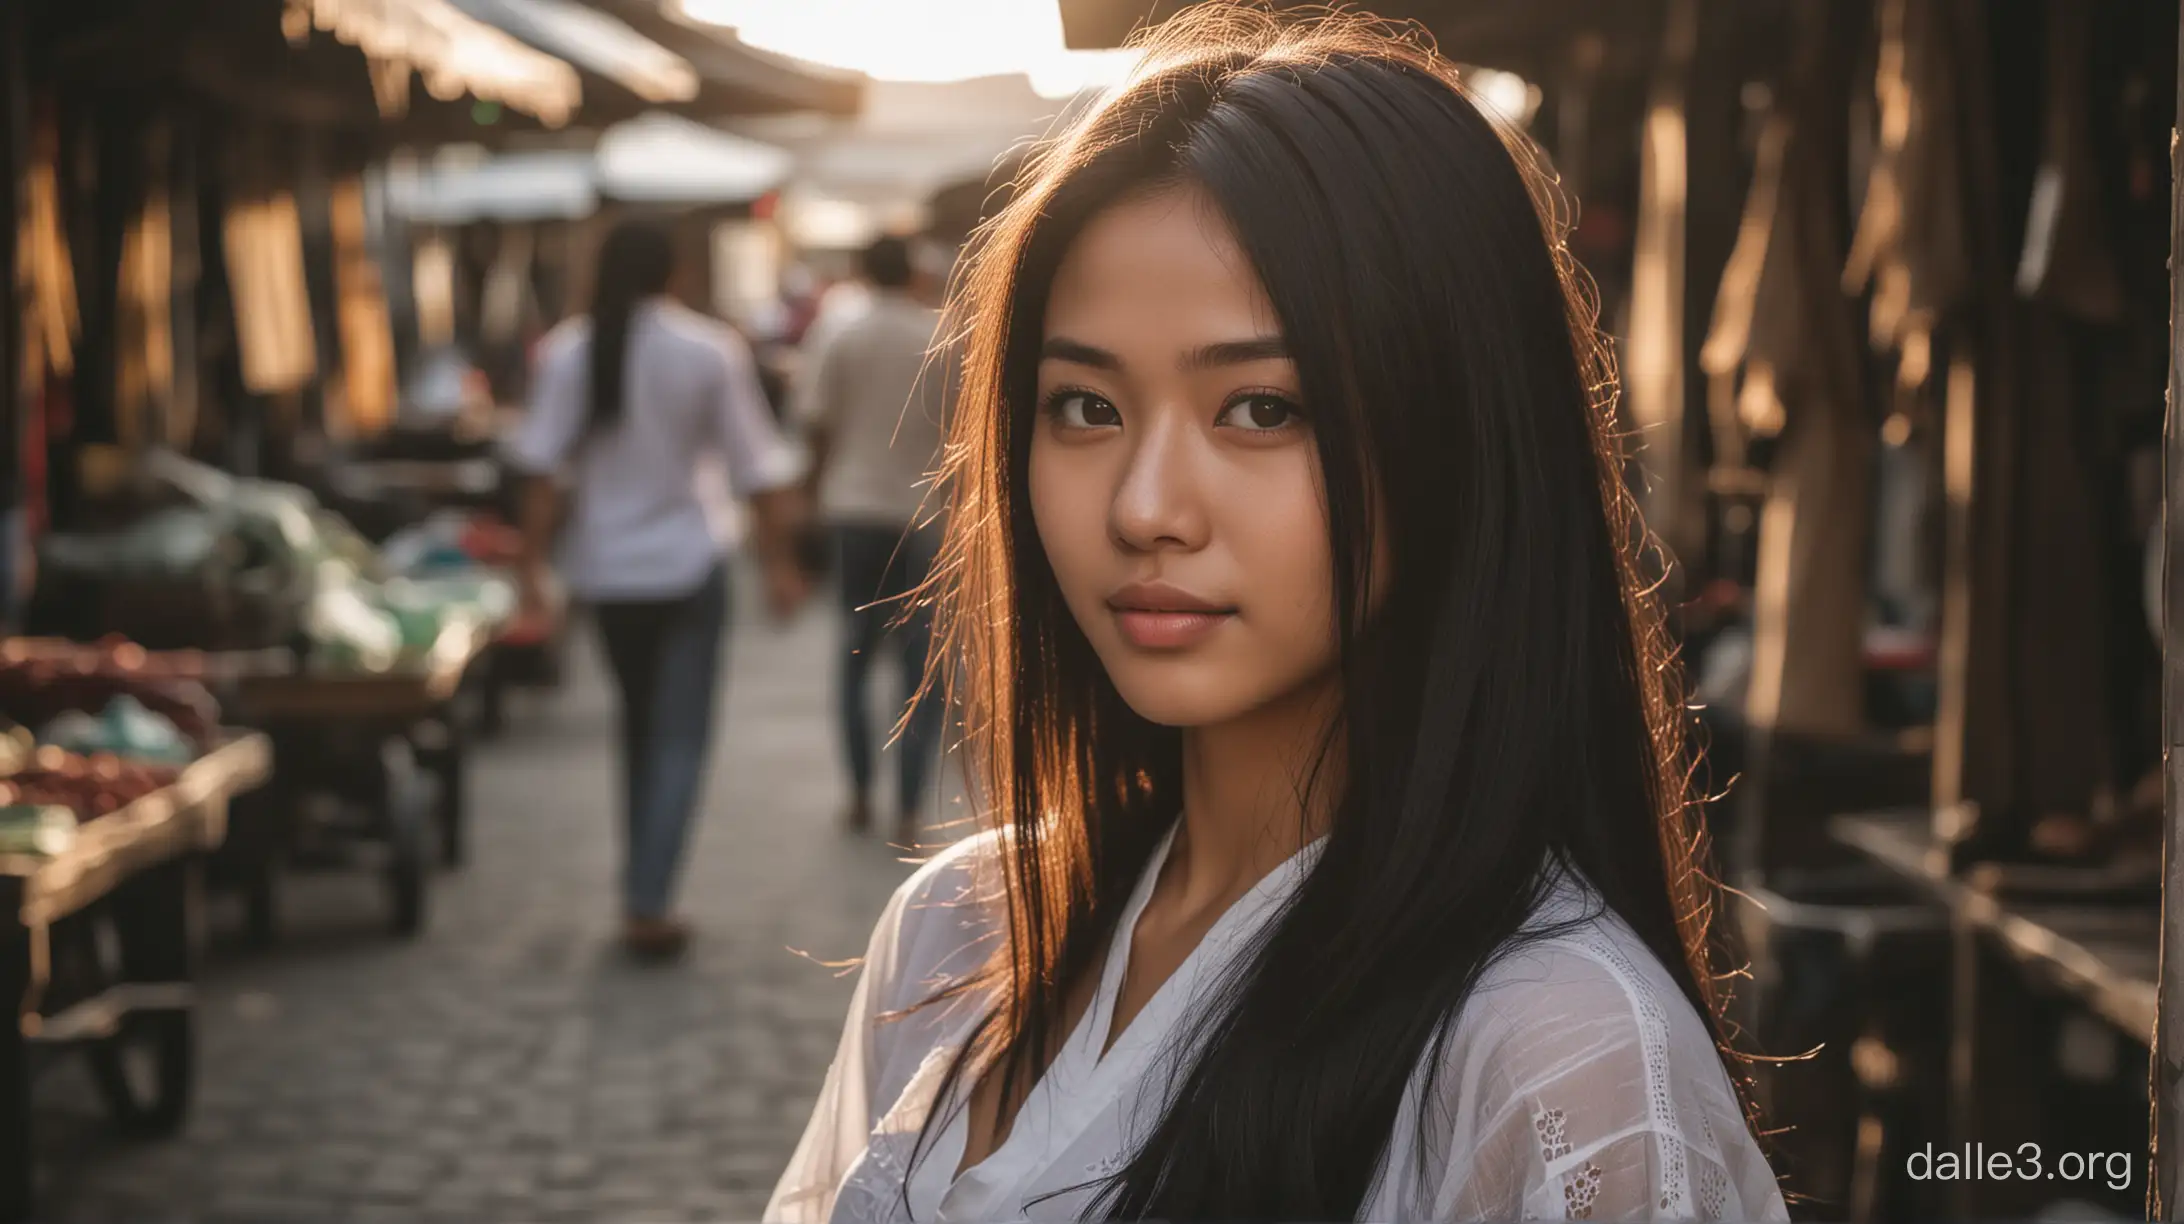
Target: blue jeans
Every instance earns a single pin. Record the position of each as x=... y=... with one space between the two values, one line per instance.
x=876 y=567
x=665 y=655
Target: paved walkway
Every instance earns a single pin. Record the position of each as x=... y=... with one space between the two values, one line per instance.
x=507 y=1065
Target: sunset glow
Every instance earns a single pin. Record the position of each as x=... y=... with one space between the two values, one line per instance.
x=921 y=40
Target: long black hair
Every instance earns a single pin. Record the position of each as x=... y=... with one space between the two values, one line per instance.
x=1512 y=704
x=636 y=261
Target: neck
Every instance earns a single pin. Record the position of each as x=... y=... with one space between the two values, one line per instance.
x=1245 y=809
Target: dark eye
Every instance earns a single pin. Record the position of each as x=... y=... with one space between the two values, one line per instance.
x=1260 y=414
x=1082 y=410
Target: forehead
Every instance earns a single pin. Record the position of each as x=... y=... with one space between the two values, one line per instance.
x=1162 y=267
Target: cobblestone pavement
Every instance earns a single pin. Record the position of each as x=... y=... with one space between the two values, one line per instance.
x=507 y=1065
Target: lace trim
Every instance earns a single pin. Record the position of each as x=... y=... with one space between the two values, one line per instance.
x=1579 y=1189
x=1550 y=1126
x=1653 y=1042
x=872 y=1192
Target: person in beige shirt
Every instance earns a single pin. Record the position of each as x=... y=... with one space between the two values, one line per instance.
x=873 y=408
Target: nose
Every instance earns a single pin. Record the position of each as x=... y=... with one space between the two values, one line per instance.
x=1158 y=503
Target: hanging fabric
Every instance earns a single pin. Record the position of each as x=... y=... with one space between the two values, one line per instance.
x=1782 y=359
x=143 y=337
x=47 y=264
x=264 y=240
x=505 y=305
x=367 y=335
x=433 y=283
x=2066 y=260
x=1910 y=244
x=1653 y=355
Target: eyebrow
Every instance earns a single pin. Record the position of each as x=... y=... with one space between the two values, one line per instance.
x=1206 y=357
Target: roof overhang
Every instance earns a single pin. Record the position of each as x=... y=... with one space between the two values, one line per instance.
x=452 y=54
x=735 y=78
x=1526 y=38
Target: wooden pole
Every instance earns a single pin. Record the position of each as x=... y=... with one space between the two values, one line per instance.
x=2165 y=1186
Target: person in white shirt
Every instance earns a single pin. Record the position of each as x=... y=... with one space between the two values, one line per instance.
x=873 y=401
x=1342 y=861
x=641 y=405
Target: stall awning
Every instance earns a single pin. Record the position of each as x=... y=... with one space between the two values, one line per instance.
x=452 y=52
x=660 y=159
x=738 y=79
x=655 y=159
x=596 y=42
x=549 y=185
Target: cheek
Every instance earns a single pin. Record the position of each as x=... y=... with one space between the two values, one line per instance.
x=1068 y=510
x=1279 y=533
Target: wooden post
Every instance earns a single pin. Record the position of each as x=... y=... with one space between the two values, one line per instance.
x=1656 y=354
x=2166 y=1184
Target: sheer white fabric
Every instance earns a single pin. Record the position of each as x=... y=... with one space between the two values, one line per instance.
x=1576 y=1083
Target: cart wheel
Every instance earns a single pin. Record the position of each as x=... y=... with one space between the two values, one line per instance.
x=555 y=650
x=437 y=746
x=454 y=807
x=407 y=813
x=144 y=1072
x=493 y=702
x=262 y=906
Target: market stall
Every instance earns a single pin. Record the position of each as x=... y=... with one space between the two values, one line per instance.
x=101 y=870
x=351 y=665
x=369 y=759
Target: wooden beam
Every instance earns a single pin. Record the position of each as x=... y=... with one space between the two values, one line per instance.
x=2166 y=1185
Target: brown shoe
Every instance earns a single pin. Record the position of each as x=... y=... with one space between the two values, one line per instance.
x=655 y=938
x=908 y=826
x=859 y=816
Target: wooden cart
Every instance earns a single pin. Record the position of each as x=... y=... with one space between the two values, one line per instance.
x=369 y=759
x=98 y=951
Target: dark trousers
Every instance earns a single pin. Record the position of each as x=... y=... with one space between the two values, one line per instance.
x=665 y=655
x=875 y=568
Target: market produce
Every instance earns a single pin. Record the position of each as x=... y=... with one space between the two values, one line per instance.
x=90 y=786
x=41 y=680
x=36 y=830
x=111 y=654
x=124 y=728
x=249 y=564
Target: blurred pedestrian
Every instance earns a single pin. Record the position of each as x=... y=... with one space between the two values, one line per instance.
x=873 y=406
x=639 y=403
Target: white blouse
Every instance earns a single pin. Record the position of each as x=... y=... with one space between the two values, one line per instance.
x=1577 y=1082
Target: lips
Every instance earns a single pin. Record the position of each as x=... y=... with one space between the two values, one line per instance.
x=1157 y=616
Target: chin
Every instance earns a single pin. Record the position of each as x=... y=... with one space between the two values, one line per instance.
x=1184 y=692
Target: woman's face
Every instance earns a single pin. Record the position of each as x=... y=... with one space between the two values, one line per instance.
x=1174 y=479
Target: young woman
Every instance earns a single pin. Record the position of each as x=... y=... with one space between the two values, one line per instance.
x=1343 y=867
x=640 y=401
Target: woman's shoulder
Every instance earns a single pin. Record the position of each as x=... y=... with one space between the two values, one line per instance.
x=1577 y=1067
x=940 y=921
x=956 y=877
x=1580 y=974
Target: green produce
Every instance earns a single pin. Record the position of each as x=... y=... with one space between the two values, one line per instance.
x=36 y=829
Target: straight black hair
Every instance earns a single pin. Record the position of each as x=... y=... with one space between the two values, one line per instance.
x=636 y=261
x=1512 y=705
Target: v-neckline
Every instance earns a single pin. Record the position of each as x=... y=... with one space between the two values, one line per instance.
x=1093 y=1066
